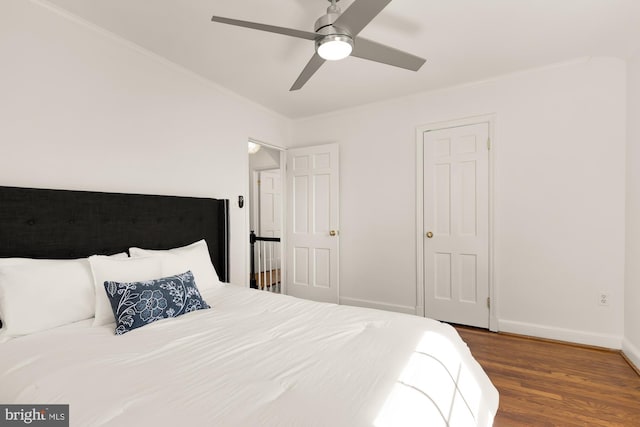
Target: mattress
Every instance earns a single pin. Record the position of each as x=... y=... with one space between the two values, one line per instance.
x=255 y=359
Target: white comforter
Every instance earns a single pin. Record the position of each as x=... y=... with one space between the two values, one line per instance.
x=255 y=359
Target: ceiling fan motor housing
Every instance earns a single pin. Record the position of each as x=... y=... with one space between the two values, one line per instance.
x=324 y=27
x=326 y=20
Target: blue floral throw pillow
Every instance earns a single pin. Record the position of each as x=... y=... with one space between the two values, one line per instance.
x=137 y=304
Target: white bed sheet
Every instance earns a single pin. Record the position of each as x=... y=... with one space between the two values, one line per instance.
x=255 y=359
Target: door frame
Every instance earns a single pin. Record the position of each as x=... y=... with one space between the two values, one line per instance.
x=249 y=212
x=420 y=283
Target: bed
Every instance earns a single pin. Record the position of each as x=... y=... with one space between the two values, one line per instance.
x=253 y=359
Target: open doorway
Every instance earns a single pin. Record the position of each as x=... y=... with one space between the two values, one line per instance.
x=266 y=220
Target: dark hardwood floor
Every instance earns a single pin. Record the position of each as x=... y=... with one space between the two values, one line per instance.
x=545 y=383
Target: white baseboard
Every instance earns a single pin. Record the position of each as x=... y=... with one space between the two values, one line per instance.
x=560 y=334
x=378 y=305
x=632 y=353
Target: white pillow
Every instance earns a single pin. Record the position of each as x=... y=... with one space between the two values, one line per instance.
x=194 y=257
x=35 y=292
x=16 y=261
x=36 y=295
x=118 y=270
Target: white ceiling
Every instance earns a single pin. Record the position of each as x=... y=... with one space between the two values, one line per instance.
x=463 y=41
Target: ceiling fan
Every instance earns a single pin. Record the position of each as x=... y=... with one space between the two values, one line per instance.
x=336 y=37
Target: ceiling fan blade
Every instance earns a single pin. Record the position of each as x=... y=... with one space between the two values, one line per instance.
x=367 y=49
x=264 y=27
x=312 y=66
x=359 y=14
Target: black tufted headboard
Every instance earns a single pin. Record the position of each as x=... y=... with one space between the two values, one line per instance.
x=58 y=224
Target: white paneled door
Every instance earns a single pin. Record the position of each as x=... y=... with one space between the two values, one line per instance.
x=270 y=201
x=456 y=224
x=312 y=223
x=270 y=184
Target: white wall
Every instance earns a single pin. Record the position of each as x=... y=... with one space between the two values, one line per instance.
x=559 y=196
x=631 y=345
x=82 y=109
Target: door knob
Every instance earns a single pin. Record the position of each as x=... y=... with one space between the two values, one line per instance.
x=429 y=234
x=333 y=233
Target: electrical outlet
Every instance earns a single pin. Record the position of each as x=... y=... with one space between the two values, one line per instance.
x=603 y=298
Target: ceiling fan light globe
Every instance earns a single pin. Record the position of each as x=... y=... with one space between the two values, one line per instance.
x=334 y=47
